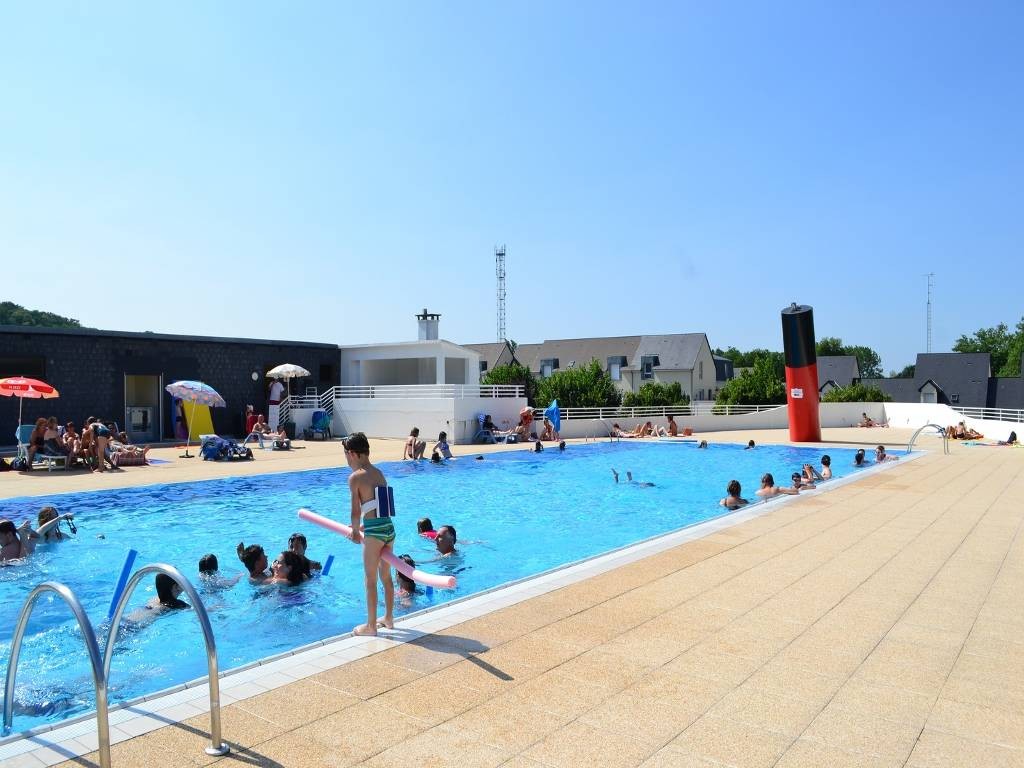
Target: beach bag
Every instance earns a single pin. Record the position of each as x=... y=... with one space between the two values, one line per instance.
x=20 y=464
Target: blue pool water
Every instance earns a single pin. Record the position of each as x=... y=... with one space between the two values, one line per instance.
x=516 y=514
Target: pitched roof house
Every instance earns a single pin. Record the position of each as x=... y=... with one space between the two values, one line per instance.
x=631 y=361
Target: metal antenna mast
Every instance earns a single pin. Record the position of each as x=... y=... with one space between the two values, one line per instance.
x=928 y=346
x=499 y=270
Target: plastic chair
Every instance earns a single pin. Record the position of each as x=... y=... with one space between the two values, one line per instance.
x=23 y=434
x=484 y=436
x=320 y=425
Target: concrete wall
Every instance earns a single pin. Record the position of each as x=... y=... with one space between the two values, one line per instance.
x=414 y=362
x=388 y=417
x=458 y=417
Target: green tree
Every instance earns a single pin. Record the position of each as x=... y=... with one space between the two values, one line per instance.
x=14 y=314
x=587 y=386
x=512 y=374
x=855 y=393
x=747 y=359
x=906 y=373
x=1005 y=348
x=761 y=385
x=654 y=393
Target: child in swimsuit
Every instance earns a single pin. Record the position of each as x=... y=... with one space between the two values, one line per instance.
x=373 y=508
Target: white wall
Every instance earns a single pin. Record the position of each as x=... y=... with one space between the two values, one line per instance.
x=908 y=415
x=356 y=362
x=394 y=417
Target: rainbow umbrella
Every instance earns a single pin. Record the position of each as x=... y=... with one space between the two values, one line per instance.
x=20 y=387
x=200 y=394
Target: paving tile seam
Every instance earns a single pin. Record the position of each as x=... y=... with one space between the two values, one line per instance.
x=1010 y=545
x=812 y=509
x=973 y=527
x=795 y=521
x=716 y=701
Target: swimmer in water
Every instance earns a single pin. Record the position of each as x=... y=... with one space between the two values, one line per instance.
x=629 y=479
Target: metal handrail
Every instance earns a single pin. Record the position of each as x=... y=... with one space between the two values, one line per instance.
x=99 y=677
x=445 y=391
x=701 y=408
x=998 y=414
x=217 y=747
x=942 y=430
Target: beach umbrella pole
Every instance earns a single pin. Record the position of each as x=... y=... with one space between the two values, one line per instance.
x=188 y=433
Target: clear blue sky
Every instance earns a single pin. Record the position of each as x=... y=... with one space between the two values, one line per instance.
x=323 y=171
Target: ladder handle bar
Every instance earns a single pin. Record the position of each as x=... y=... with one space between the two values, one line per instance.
x=942 y=431
x=91 y=646
x=217 y=747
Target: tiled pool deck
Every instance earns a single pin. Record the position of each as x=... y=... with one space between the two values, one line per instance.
x=876 y=624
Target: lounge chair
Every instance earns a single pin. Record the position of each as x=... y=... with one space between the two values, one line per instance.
x=484 y=436
x=23 y=435
x=321 y=425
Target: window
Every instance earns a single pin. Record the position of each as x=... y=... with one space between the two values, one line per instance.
x=954 y=398
x=483 y=366
x=547 y=367
x=615 y=366
x=647 y=364
x=701 y=368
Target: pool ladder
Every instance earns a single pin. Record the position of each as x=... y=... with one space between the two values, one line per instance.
x=942 y=431
x=101 y=666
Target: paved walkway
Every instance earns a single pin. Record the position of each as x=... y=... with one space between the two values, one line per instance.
x=879 y=624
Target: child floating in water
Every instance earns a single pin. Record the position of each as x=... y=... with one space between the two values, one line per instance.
x=425 y=528
x=376 y=532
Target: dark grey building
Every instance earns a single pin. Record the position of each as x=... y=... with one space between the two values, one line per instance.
x=837 y=371
x=960 y=379
x=120 y=376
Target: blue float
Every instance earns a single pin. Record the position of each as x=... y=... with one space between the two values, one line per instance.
x=126 y=571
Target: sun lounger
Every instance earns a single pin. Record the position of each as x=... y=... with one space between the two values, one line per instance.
x=39 y=459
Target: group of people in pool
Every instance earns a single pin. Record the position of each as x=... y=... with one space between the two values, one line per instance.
x=804 y=480
x=18 y=542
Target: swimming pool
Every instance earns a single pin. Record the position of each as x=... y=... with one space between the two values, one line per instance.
x=517 y=514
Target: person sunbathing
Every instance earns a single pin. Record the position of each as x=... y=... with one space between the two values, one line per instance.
x=126 y=454
x=52 y=444
x=966 y=433
x=261 y=427
x=644 y=430
x=866 y=421
x=36 y=440
x=548 y=433
x=617 y=432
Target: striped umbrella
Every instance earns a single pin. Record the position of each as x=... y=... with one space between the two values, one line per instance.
x=20 y=387
x=200 y=394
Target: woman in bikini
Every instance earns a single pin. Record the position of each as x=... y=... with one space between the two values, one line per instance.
x=372 y=511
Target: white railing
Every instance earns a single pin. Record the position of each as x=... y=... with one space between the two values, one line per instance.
x=434 y=391
x=701 y=408
x=996 y=414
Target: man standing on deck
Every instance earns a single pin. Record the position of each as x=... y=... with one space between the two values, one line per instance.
x=274 y=412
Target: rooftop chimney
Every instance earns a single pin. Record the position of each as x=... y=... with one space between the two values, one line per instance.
x=428 y=325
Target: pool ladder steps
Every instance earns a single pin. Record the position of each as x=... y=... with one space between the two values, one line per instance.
x=942 y=431
x=101 y=666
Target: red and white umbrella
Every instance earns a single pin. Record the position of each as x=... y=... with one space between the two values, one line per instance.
x=20 y=387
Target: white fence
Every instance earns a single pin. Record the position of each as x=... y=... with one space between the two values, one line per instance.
x=430 y=391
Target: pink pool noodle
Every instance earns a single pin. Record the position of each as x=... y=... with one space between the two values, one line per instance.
x=428 y=579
